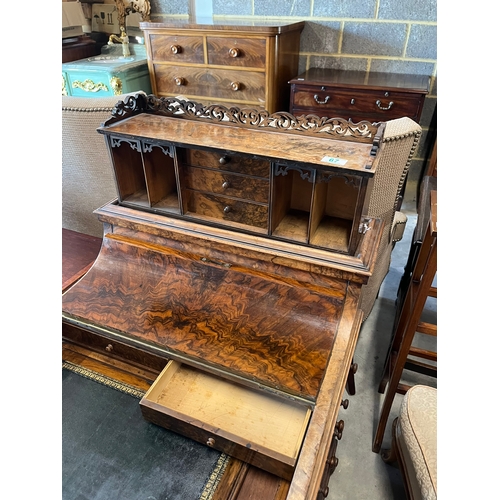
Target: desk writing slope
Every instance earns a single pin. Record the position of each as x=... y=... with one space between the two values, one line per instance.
x=252 y=326
x=233 y=259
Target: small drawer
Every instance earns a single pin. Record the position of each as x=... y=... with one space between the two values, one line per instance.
x=228 y=162
x=247 y=52
x=210 y=83
x=226 y=209
x=174 y=48
x=371 y=105
x=239 y=186
x=255 y=427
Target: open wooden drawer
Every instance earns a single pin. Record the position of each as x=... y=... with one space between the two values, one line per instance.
x=260 y=428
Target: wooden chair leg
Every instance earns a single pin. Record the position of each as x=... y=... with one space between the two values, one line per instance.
x=350 y=385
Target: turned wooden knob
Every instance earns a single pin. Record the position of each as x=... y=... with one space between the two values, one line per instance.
x=179 y=81
x=345 y=404
x=354 y=367
x=227 y=209
x=339 y=428
x=236 y=86
x=226 y=184
x=175 y=49
x=324 y=492
x=210 y=441
x=224 y=159
x=109 y=348
x=234 y=52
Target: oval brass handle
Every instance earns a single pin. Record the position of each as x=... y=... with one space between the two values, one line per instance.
x=224 y=159
x=227 y=209
x=226 y=184
x=236 y=86
x=175 y=49
x=179 y=81
x=316 y=98
x=234 y=52
x=210 y=441
x=379 y=105
x=109 y=348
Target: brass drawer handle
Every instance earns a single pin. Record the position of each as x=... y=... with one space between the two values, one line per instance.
x=109 y=348
x=236 y=86
x=234 y=52
x=316 y=98
x=179 y=81
x=379 y=105
x=226 y=185
x=175 y=49
x=210 y=441
x=227 y=209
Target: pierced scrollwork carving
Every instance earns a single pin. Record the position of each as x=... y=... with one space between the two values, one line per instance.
x=147 y=147
x=312 y=125
x=116 y=142
x=349 y=180
x=305 y=174
x=363 y=131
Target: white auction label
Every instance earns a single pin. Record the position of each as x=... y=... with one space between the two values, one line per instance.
x=334 y=161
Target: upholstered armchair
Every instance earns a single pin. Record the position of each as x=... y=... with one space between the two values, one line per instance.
x=400 y=141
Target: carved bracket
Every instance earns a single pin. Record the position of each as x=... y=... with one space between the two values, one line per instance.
x=116 y=142
x=147 y=147
x=305 y=174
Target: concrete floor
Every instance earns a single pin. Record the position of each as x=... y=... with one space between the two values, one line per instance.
x=362 y=474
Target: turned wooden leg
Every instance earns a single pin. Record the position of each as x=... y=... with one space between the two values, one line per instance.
x=351 y=386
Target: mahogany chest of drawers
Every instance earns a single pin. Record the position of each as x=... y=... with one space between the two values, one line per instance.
x=357 y=95
x=233 y=259
x=224 y=62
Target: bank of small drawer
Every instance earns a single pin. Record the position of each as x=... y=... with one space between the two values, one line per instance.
x=210 y=83
x=381 y=105
x=226 y=209
x=227 y=162
x=234 y=185
x=231 y=51
x=177 y=49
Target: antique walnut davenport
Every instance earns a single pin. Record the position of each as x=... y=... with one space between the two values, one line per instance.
x=234 y=259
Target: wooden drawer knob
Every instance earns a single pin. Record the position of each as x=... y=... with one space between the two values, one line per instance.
x=109 y=348
x=179 y=81
x=210 y=441
x=324 y=491
x=234 y=52
x=345 y=404
x=236 y=86
x=226 y=184
x=227 y=209
x=224 y=159
x=175 y=49
x=339 y=428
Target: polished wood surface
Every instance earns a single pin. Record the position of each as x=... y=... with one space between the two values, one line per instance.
x=229 y=62
x=358 y=95
x=79 y=252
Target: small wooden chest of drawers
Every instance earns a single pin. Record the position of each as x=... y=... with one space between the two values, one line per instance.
x=357 y=95
x=224 y=63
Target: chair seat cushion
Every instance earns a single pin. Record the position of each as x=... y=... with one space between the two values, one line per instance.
x=416 y=436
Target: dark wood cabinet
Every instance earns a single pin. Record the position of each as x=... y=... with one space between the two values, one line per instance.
x=235 y=254
x=357 y=96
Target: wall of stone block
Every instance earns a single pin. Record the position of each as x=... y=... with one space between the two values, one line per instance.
x=366 y=35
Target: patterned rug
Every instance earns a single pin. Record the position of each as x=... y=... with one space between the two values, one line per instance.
x=109 y=452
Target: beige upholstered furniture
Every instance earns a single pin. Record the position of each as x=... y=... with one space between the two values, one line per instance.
x=414 y=444
x=87 y=176
x=400 y=142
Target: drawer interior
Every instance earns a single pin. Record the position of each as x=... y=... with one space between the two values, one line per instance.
x=236 y=418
